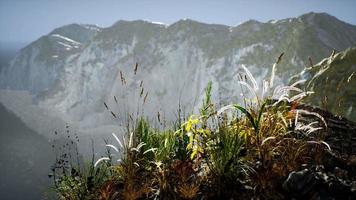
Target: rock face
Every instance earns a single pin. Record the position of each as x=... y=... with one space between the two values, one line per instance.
x=300 y=182
x=38 y=66
x=319 y=184
x=75 y=68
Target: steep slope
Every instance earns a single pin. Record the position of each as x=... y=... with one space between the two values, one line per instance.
x=334 y=81
x=25 y=158
x=75 y=76
x=38 y=66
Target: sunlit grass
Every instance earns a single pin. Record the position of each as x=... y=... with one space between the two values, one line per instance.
x=215 y=153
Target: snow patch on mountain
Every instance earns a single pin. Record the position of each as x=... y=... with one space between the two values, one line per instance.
x=66 y=39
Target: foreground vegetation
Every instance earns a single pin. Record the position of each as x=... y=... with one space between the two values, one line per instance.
x=239 y=151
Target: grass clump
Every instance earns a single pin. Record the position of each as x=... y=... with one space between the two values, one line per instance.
x=237 y=151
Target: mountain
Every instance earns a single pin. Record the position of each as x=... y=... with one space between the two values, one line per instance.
x=76 y=68
x=38 y=65
x=25 y=159
x=334 y=82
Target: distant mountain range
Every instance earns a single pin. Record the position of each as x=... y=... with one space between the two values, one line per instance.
x=76 y=68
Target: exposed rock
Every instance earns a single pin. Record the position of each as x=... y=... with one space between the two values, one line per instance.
x=300 y=183
x=315 y=183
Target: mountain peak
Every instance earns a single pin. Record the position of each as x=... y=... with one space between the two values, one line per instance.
x=77 y=32
x=185 y=21
x=315 y=18
x=252 y=21
x=138 y=21
x=185 y=24
x=315 y=14
x=75 y=27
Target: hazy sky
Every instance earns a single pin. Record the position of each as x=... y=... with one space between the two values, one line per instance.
x=27 y=20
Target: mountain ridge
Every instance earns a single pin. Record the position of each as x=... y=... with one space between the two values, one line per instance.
x=75 y=76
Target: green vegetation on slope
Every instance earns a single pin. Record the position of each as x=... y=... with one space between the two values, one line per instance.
x=334 y=83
